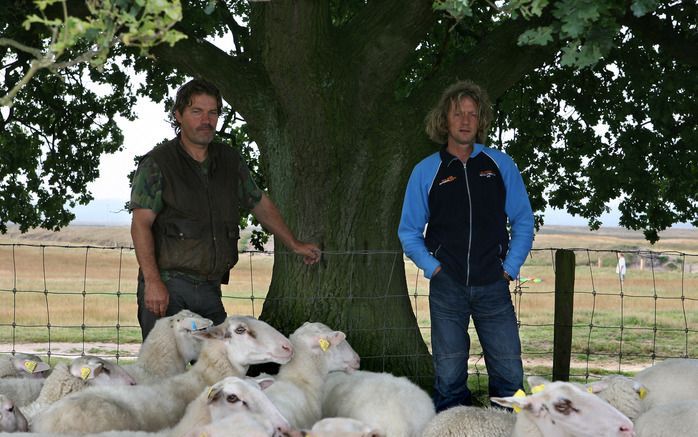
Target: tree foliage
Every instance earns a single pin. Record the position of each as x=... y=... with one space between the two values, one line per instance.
x=606 y=115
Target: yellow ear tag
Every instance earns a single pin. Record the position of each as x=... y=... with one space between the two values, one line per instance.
x=208 y=395
x=537 y=388
x=30 y=366
x=324 y=344
x=591 y=390
x=519 y=394
x=643 y=393
x=85 y=373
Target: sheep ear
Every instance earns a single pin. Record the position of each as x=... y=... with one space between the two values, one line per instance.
x=517 y=403
x=218 y=332
x=597 y=386
x=214 y=392
x=265 y=383
x=337 y=337
x=88 y=370
x=640 y=389
x=30 y=366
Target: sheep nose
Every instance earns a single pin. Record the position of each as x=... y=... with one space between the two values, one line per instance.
x=627 y=431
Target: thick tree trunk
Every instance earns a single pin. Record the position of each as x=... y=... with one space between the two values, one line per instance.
x=341 y=185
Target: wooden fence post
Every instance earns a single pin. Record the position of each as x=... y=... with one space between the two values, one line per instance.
x=564 y=311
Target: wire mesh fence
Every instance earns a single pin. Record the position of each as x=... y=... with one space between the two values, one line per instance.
x=68 y=300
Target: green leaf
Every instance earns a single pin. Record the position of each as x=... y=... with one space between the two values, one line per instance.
x=643 y=7
x=210 y=7
x=540 y=36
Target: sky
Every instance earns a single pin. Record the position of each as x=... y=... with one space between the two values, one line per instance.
x=111 y=190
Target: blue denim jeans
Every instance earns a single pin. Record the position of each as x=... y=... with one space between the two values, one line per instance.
x=451 y=305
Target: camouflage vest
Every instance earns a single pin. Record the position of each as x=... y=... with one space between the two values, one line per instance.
x=197 y=230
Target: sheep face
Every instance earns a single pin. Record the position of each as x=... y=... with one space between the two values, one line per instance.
x=562 y=408
x=183 y=324
x=11 y=419
x=98 y=371
x=235 y=394
x=250 y=341
x=322 y=340
x=622 y=392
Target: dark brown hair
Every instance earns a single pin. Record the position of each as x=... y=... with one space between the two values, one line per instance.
x=190 y=89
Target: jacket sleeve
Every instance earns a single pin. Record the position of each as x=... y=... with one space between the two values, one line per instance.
x=415 y=215
x=518 y=209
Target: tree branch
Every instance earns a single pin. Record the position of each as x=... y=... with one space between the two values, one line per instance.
x=294 y=35
x=240 y=33
x=378 y=41
x=496 y=62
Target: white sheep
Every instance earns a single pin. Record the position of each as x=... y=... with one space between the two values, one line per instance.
x=627 y=395
x=228 y=396
x=297 y=391
x=237 y=424
x=169 y=347
x=624 y=393
x=83 y=372
x=563 y=409
x=671 y=419
x=21 y=390
x=228 y=350
x=11 y=418
x=471 y=422
x=217 y=404
x=22 y=365
x=675 y=379
x=394 y=405
x=342 y=427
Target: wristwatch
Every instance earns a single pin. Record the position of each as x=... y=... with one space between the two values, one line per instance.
x=507 y=277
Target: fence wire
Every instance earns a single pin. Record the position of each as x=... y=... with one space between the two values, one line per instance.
x=84 y=296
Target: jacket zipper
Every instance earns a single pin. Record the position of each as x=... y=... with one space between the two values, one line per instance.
x=470 y=224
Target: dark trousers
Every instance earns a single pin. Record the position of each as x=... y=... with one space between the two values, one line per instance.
x=203 y=298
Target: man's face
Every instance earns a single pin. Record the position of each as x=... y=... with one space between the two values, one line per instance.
x=198 y=121
x=462 y=122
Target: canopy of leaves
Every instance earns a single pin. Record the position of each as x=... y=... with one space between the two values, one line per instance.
x=607 y=114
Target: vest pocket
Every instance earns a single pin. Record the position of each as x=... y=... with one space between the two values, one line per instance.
x=183 y=229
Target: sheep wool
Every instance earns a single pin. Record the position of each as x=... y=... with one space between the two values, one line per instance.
x=471 y=422
x=393 y=405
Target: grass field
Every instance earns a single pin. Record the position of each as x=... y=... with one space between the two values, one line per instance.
x=60 y=287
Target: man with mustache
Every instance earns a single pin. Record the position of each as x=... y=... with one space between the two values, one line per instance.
x=185 y=200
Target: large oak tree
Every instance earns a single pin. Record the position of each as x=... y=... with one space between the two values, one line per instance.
x=334 y=94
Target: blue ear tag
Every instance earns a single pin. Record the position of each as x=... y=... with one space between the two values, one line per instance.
x=193 y=325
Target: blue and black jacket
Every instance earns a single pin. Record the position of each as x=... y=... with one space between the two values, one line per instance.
x=465 y=207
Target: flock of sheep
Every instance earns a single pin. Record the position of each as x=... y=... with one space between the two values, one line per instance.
x=318 y=392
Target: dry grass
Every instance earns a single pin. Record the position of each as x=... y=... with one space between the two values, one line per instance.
x=85 y=292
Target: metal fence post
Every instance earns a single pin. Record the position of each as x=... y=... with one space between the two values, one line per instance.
x=564 y=310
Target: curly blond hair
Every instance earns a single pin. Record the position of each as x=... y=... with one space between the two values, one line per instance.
x=436 y=121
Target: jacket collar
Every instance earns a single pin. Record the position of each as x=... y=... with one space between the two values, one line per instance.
x=448 y=158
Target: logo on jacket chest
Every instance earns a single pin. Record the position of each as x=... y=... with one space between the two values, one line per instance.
x=488 y=174
x=447 y=180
